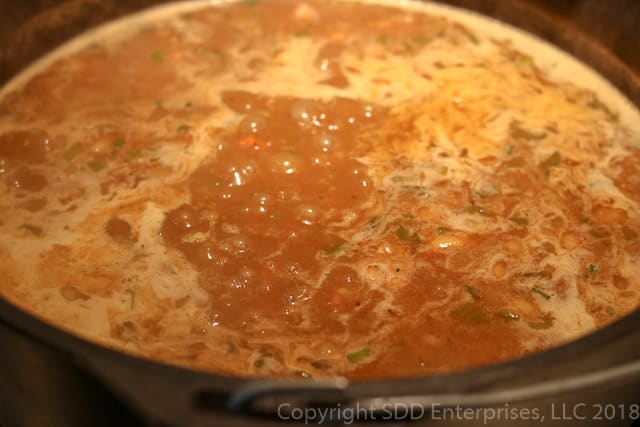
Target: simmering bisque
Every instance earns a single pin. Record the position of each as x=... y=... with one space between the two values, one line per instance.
x=316 y=188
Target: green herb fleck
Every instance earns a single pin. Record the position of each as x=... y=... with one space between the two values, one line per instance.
x=439 y=65
x=442 y=230
x=593 y=269
x=383 y=39
x=528 y=59
x=543 y=294
x=249 y=2
x=359 y=355
x=519 y=132
x=157 y=56
x=406 y=236
x=134 y=154
x=443 y=170
x=302 y=33
x=420 y=40
x=73 y=151
x=96 y=165
x=118 y=143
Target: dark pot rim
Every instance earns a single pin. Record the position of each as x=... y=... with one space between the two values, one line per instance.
x=118 y=370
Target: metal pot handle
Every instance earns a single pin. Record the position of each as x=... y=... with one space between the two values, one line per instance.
x=278 y=398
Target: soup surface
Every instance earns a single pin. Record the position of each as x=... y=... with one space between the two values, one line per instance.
x=318 y=188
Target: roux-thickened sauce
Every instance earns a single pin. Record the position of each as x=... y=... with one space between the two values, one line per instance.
x=316 y=188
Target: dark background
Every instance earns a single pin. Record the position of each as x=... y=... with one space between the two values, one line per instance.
x=29 y=28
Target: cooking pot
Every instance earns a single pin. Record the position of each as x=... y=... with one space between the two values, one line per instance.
x=51 y=378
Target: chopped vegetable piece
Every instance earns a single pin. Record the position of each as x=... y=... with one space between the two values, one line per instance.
x=472 y=37
x=472 y=292
x=509 y=315
x=596 y=104
x=549 y=247
x=157 y=56
x=417 y=189
x=96 y=165
x=629 y=234
x=183 y=128
x=374 y=221
x=359 y=355
x=34 y=229
x=519 y=132
x=322 y=365
x=73 y=151
x=335 y=249
x=475 y=209
x=545 y=322
x=553 y=161
x=406 y=236
x=399 y=178
x=599 y=233
x=537 y=290
x=519 y=220
x=469 y=312
x=118 y=143
x=132 y=297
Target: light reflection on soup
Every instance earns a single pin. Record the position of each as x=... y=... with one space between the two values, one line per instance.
x=316 y=188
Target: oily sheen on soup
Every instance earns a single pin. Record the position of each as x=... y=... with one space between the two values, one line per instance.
x=318 y=188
